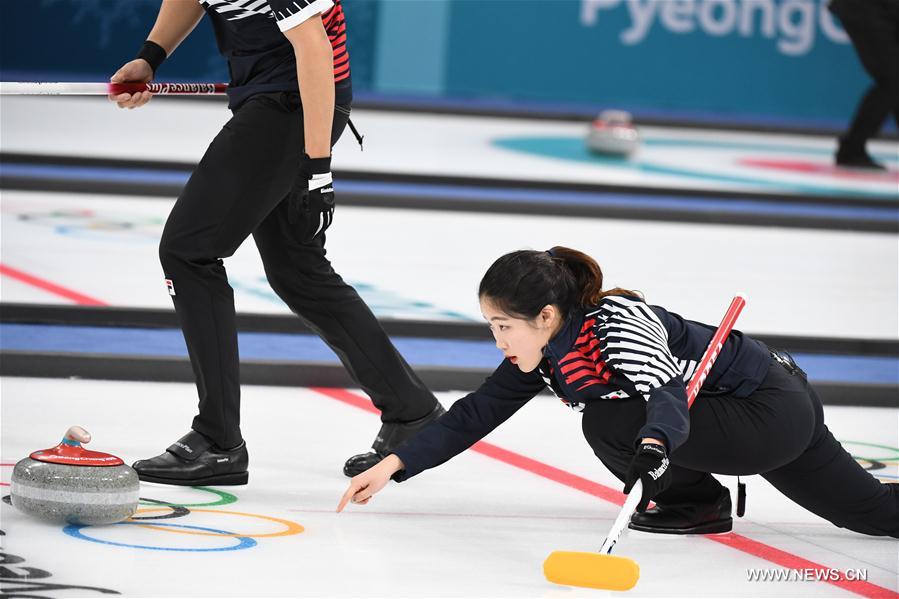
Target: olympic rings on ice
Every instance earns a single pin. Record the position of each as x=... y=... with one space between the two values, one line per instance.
x=890 y=459
x=76 y=530
x=171 y=510
x=290 y=528
x=223 y=499
x=177 y=511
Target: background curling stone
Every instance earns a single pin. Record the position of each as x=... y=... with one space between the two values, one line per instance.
x=71 y=484
x=613 y=133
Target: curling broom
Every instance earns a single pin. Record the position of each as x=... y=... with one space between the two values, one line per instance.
x=27 y=88
x=605 y=571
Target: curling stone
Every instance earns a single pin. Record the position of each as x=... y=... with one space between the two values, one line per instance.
x=69 y=483
x=612 y=133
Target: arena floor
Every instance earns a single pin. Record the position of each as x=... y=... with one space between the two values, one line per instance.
x=480 y=526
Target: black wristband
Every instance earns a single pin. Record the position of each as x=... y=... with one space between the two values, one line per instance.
x=153 y=53
x=317 y=166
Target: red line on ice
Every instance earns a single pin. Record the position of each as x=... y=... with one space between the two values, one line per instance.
x=732 y=540
x=45 y=285
x=817 y=168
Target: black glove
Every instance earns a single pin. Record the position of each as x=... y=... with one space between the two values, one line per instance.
x=650 y=465
x=311 y=202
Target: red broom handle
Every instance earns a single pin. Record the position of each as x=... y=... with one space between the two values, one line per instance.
x=714 y=348
x=169 y=88
x=28 y=88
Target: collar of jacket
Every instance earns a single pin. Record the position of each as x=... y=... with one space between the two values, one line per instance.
x=563 y=341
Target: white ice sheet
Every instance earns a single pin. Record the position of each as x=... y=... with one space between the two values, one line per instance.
x=427 y=264
x=474 y=527
x=448 y=145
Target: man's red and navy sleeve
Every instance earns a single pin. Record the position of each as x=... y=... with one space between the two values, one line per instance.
x=469 y=419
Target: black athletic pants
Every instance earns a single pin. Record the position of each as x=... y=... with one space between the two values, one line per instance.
x=777 y=432
x=240 y=187
x=873 y=27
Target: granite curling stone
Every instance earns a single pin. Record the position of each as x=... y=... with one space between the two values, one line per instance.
x=69 y=483
x=613 y=133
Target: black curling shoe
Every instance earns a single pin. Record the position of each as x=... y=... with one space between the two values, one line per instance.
x=391 y=435
x=193 y=460
x=858 y=160
x=687 y=518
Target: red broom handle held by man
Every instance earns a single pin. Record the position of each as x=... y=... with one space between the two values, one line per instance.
x=168 y=88
x=66 y=88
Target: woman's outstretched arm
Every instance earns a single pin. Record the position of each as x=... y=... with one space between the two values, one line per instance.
x=470 y=419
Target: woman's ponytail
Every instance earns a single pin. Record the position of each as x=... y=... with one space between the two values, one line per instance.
x=586 y=272
x=587 y=276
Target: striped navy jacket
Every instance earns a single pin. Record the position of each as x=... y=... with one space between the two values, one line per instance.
x=621 y=348
x=249 y=33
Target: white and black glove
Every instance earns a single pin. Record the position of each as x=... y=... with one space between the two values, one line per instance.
x=650 y=466
x=311 y=202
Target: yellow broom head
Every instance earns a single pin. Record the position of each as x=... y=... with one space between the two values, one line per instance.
x=591 y=570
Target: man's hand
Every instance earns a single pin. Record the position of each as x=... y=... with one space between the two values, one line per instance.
x=650 y=465
x=364 y=486
x=175 y=21
x=136 y=71
x=311 y=202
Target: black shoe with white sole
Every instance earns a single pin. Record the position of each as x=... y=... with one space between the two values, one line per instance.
x=194 y=460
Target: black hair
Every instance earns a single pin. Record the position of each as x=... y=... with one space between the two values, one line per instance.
x=521 y=283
